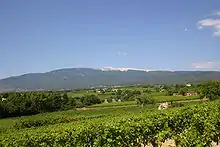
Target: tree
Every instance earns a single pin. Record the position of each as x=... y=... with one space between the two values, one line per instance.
x=183 y=91
x=65 y=99
x=210 y=90
x=144 y=100
x=147 y=90
x=119 y=92
x=90 y=100
x=171 y=91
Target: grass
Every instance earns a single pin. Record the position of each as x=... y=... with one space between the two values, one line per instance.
x=158 y=97
x=111 y=116
x=90 y=92
x=174 y=98
x=156 y=94
x=7 y=124
x=126 y=103
x=192 y=103
x=81 y=93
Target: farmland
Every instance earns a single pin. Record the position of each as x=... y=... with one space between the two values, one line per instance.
x=137 y=123
x=133 y=121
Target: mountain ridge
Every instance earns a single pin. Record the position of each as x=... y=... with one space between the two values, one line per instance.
x=78 y=78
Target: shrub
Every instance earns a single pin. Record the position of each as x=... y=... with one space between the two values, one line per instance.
x=176 y=104
x=144 y=100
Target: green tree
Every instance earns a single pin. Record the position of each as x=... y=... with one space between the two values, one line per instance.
x=183 y=91
x=147 y=90
x=90 y=100
x=144 y=100
x=210 y=90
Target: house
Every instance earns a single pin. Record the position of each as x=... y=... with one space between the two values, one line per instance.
x=191 y=94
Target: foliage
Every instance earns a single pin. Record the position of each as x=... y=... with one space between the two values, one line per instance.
x=29 y=123
x=176 y=104
x=127 y=95
x=125 y=103
x=89 y=100
x=181 y=89
x=188 y=126
x=28 y=103
x=173 y=98
x=144 y=100
x=210 y=89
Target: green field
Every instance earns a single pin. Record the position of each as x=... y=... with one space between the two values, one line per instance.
x=158 y=96
x=173 y=98
x=70 y=116
x=81 y=93
x=157 y=99
x=81 y=115
x=88 y=121
x=90 y=92
x=64 y=127
x=114 y=127
x=126 y=103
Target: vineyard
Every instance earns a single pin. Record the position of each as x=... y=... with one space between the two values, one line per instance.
x=109 y=73
x=57 y=119
x=189 y=126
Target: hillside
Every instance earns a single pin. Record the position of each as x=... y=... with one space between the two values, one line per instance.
x=76 y=78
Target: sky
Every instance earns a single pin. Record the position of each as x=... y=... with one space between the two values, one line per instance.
x=43 y=35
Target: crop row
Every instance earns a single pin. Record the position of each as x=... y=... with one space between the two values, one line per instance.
x=188 y=126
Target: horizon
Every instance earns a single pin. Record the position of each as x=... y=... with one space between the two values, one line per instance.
x=113 y=69
x=42 y=36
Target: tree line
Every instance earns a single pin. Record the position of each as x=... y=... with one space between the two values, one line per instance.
x=29 y=103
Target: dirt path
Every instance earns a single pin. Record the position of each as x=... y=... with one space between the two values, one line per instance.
x=99 y=108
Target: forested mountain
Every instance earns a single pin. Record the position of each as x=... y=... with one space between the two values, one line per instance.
x=76 y=78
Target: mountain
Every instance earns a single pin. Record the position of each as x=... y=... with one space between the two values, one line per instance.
x=76 y=78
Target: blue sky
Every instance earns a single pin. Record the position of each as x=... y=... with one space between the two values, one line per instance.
x=42 y=35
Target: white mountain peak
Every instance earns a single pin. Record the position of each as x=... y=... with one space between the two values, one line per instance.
x=124 y=69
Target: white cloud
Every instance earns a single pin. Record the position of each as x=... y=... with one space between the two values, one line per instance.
x=121 y=54
x=207 y=65
x=211 y=23
x=216 y=13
